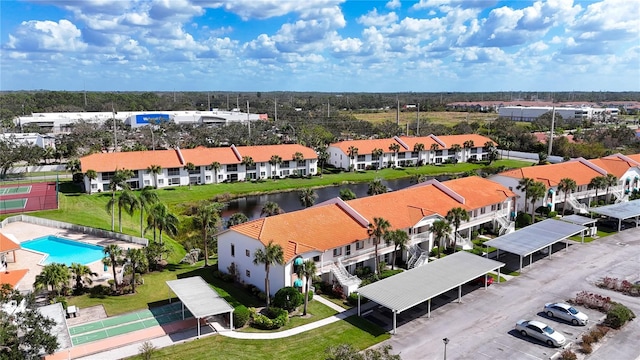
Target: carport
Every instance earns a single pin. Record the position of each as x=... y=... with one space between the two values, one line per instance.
x=535 y=237
x=201 y=300
x=584 y=221
x=621 y=211
x=413 y=287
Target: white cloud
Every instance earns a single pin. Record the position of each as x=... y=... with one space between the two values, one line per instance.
x=372 y=18
x=35 y=35
x=393 y=4
x=264 y=9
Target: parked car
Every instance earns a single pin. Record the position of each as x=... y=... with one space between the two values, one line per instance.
x=540 y=331
x=482 y=281
x=566 y=312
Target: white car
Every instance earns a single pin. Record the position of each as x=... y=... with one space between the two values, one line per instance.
x=540 y=331
x=566 y=312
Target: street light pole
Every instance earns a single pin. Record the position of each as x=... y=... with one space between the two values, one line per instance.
x=445 y=341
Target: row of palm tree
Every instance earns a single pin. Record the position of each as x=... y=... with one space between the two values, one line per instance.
x=135 y=259
x=57 y=276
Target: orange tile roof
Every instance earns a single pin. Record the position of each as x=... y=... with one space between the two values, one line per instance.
x=12 y=277
x=134 y=160
x=614 y=165
x=202 y=156
x=550 y=175
x=285 y=151
x=7 y=244
x=634 y=157
x=316 y=228
x=367 y=146
x=478 y=140
x=479 y=192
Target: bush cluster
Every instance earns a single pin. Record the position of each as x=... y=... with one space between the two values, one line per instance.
x=274 y=318
x=568 y=355
x=240 y=316
x=288 y=298
x=593 y=301
x=618 y=315
x=623 y=286
x=224 y=276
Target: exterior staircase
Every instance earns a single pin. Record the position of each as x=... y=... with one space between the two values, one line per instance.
x=463 y=243
x=505 y=226
x=423 y=259
x=342 y=275
x=619 y=195
x=576 y=205
x=417 y=257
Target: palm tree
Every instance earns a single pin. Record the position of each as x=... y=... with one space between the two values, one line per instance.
x=137 y=260
x=419 y=148
x=456 y=149
x=297 y=156
x=352 y=152
x=82 y=274
x=536 y=192
x=215 y=166
x=270 y=208
x=125 y=200
x=155 y=170
x=598 y=183
x=566 y=185
x=394 y=147
x=272 y=254
x=55 y=275
x=377 y=230
x=73 y=165
x=189 y=167
x=434 y=147
x=490 y=149
x=523 y=185
x=274 y=161
x=308 y=270
x=377 y=154
x=307 y=197
x=206 y=219
x=439 y=229
x=347 y=194
x=456 y=216
x=609 y=181
x=91 y=175
x=113 y=258
x=399 y=238
x=376 y=187
x=144 y=201
x=118 y=181
x=468 y=145
x=159 y=218
x=237 y=219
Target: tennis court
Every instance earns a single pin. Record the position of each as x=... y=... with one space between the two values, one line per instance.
x=15 y=190
x=13 y=205
x=127 y=323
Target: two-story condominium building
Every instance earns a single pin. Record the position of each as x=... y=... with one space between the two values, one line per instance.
x=163 y=168
x=407 y=151
x=334 y=233
x=582 y=171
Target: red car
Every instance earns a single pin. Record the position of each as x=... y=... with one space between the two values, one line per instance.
x=481 y=281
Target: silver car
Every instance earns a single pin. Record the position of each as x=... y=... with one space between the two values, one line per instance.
x=540 y=331
x=566 y=312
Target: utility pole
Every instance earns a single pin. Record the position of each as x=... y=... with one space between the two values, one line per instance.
x=275 y=108
x=115 y=134
x=208 y=101
x=418 y=121
x=227 y=102
x=327 y=108
x=397 y=111
x=248 y=121
x=553 y=120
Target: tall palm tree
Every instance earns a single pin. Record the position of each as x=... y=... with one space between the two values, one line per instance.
x=137 y=260
x=376 y=187
x=271 y=208
x=55 y=275
x=609 y=181
x=236 y=219
x=307 y=197
x=399 y=238
x=81 y=274
x=308 y=270
x=272 y=254
x=298 y=156
x=73 y=165
x=352 y=152
x=215 y=166
x=377 y=230
x=439 y=229
x=144 y=201
x=490 y=149
x=468 y=145
x=91 y=175
x=456 y=216
x=566 y=185
x=155 y=170
x=118 y=181
x=113 y=258
x=394 y=147
x=189 y=167
x=523 y=185
x=377 y=154
x=274 y=161
x=159 y=218
x=126 y=200
x=206 y=219
x=419 y=148
x=456 y=149
x=434 y=147
x=598 y=183
x=536 y=192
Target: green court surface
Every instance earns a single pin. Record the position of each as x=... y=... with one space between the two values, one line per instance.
x=127 y=323
x=13 y=204
x=15 y=190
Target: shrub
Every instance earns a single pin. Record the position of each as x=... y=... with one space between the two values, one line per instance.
x=363 y=271
x=240 y=316
x=288 y=298
x=146 y=350
x=618 y=315
x=523 y=219
x=273 y=318
x=593 y=301
x=353 y=299
x=588 y=338
x=552 y=214
x=586 y=348
x=568 y=355
x=339 y=292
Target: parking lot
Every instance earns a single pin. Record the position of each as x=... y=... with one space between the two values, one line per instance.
x=482 y=326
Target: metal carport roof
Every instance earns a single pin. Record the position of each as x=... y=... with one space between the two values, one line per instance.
x=410 y=288
x=623 y=210
x=201 y=300
x=578 y=220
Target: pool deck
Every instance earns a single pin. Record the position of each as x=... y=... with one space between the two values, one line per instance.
x=29 y=260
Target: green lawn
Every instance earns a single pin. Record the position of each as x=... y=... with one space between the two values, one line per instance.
x=316 y=310
x=309 y=345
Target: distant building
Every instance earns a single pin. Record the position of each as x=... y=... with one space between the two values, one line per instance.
x=40 y=140
x=530 y=113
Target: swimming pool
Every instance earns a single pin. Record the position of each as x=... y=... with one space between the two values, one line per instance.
x=65 y=251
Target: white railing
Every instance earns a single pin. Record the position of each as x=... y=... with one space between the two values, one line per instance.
x=581 y=208
x=343 y=276
x=423 y=259
x=415 y=253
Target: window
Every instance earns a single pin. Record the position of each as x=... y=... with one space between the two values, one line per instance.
x=401 y=155
x=414 y=154
x=438 y=152
x=337 y=252
x=493 y=207
x=438 y=160
x=173 y=172
x=361 y=166
x=361 y=157
x=94 y=186
x=375 y=157
x=360 y=245
x=233 y=250
x=233 y=167
x=207 y=178
x=284 y=165
x=301 y=163
x=316 y=258
x=147 y=183
x=195 y=171
x=482 y=210
x=247 y=252
x=160 y=181
x=248 y=273
x=284 y=173
x=251 y=167
x=174 y=181
x=347 y=250
x=106 y=176
x=252 y=175
x=263 y=174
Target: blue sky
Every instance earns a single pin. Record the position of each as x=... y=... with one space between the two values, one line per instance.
x=320 y=45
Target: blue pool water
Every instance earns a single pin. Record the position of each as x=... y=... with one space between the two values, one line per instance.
x=64 y=251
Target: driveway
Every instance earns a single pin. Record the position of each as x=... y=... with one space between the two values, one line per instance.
x=481 y=327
